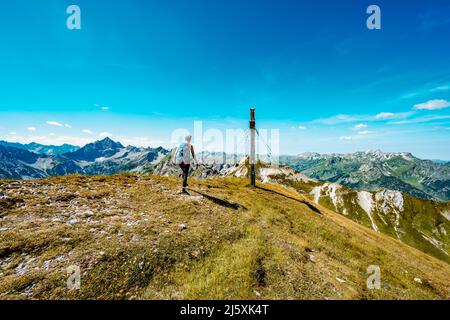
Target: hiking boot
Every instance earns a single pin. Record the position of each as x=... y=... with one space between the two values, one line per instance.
x=183 y=191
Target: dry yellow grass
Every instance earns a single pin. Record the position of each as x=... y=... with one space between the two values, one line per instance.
x=124 y=233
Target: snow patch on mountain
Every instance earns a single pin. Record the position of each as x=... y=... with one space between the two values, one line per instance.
x=330 y=190
x=239 y=171
x=438 y=244
x=446 y=214
x=267 y=174
x=365 y=201
x=390 y=199
x=43 y=164
x=316 y=193
x=117 y=155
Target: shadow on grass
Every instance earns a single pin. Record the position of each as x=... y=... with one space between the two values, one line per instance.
x=309 y=205
x=220 y=202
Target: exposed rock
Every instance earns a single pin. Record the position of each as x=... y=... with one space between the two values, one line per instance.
x=24 y=266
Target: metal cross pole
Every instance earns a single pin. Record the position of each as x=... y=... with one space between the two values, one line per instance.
x=252 y=147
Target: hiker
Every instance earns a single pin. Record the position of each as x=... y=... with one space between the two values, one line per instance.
x=183 y=156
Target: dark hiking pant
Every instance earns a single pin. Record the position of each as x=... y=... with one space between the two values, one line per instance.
x=185 y=168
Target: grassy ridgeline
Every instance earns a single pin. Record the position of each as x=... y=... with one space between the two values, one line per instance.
x=136 y=237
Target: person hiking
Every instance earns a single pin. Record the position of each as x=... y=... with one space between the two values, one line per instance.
x=184 y=155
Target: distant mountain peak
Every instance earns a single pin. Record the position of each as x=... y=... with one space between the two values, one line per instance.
x=108 y=143
x=99 y=149
x=381 y=153
x=375 y=151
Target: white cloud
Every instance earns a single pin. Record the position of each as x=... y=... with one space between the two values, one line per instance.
x=302 y=127
x=365 y=132
x=360 y=126
x=410 y=95
x=340 y=118
x=433 y=105
x=67 y=126
x=54 y=123
x=13 y=133
x=385 y=115
x=31 y=129
x=346 y=138
x=345 y=118
x=14 y=138
x=390 y=115
x=422 y=119
x=105 y=135
x=87 y=131
x=440 y=88
x=53 y=140
x=142 y=142
x=104 y=108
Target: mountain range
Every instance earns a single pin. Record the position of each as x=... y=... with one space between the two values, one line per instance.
x=101 y=157
x=372 y=170
x=40 y=148
x=369 y=171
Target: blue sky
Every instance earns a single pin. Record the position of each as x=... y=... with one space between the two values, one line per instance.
x=137 y=70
